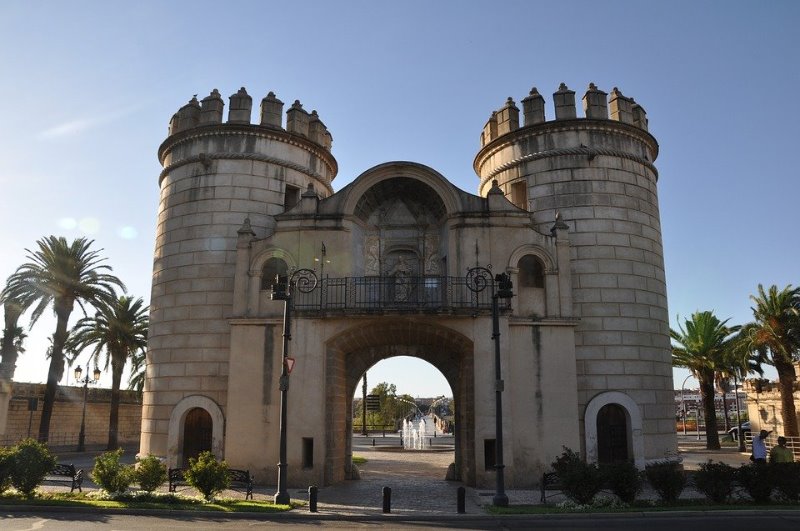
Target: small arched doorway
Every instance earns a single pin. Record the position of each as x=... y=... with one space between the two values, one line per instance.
x=197 y=434
x=612 y=434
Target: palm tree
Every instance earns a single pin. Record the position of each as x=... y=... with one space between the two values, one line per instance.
x=61 y=274
x=138 y=371
x=774 y=337
x=703 y=344
x=13 y=336
x=119 y=329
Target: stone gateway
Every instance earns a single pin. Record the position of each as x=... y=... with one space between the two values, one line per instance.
x=567 y=207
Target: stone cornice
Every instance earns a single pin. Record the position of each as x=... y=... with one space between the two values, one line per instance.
x=248 y=130
x=558 y=126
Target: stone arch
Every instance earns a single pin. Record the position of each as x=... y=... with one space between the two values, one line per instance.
x=351 y=353
x=390 y=170
x=177 y=423
x=634 y=418
x=534 y=300
x=258 y=261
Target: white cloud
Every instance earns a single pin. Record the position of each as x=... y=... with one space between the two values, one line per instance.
x=76 y=127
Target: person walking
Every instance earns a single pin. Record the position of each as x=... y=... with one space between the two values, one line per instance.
x=781 y=454
x=760 y=447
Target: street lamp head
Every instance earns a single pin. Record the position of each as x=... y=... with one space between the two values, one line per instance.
x=279 y=288
x=96 y=374
x=78 y=372
x=505 y=285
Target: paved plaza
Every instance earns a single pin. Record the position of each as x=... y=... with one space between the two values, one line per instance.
x=417 y=479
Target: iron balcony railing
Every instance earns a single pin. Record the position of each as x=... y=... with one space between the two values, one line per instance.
x=376 y=294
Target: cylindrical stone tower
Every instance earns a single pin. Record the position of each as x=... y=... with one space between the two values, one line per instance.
x=216 y=174
x=597 y=174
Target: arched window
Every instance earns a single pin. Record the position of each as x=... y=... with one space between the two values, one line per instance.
x=531 y=272
x=272 y=267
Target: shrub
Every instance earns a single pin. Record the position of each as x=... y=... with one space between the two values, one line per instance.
x=757 y=480
x=715 y=480
x=667 y=479
x=31 y=462
x=151 y=473
x=6 y=464
x=624 y=479
x=110 y=474
x=580 y=481
x=207 y=475
x=787 y=480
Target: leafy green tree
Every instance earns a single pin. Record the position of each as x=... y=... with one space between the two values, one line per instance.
x=13 y=336
x=702 y=345
x=119 y=329
x=32 y=461
x=207 y=475
x=60 y=274
x=774 y=338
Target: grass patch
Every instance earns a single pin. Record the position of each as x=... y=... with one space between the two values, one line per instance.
x=144 y=502
x=358 y=460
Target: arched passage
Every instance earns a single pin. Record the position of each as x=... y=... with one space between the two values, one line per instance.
x=351 y=353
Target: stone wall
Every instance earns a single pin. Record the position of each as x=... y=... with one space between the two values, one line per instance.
x=65 y=423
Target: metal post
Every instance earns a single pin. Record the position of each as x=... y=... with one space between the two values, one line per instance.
x=282 y=496
x=305 y=280
x=364 y=407
x=387 y=499
x=500 y=499
x=739 y=433
x=461 y=500
x=312 y=498
x=82 y=434
x=683 y=403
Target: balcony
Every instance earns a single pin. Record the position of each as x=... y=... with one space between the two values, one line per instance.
x=413 y=294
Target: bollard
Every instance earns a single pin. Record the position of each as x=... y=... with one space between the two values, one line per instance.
x=312 y=498
x=373 y=442
x=387 y=499
x=462 y=500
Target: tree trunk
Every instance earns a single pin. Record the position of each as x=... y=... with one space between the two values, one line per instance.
x=8 y=354
x=113 y=419
x=786 y=377
x=706 y=379
x=54 y=373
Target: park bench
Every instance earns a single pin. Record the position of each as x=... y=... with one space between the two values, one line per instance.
x=63 y=474
x=551 y=481
x=241 y=480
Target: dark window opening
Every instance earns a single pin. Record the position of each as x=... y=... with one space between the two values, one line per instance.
x=489 y=453
x=519 y=194
x=531 y=272
x=308 y=452
x=272 y=268
x=290 y=197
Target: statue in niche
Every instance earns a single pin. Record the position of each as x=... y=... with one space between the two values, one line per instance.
x=432 y=254
x=372 y=256
x=402 y=280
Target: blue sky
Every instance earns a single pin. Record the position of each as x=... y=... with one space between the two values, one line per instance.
x=89 y=87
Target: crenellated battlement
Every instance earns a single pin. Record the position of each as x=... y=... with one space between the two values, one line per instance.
x=597 y=105
x=210 y=111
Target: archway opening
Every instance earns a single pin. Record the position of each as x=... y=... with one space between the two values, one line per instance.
x=197 y=434
x=361 y=348
x=612 y=434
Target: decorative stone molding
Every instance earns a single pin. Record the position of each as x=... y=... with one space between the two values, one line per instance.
x=177 y=421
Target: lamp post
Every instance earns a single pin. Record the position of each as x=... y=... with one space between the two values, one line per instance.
x=304 y=280
x=478 y=278
x=683 y=403
x=739 y=434
x=85 y=381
